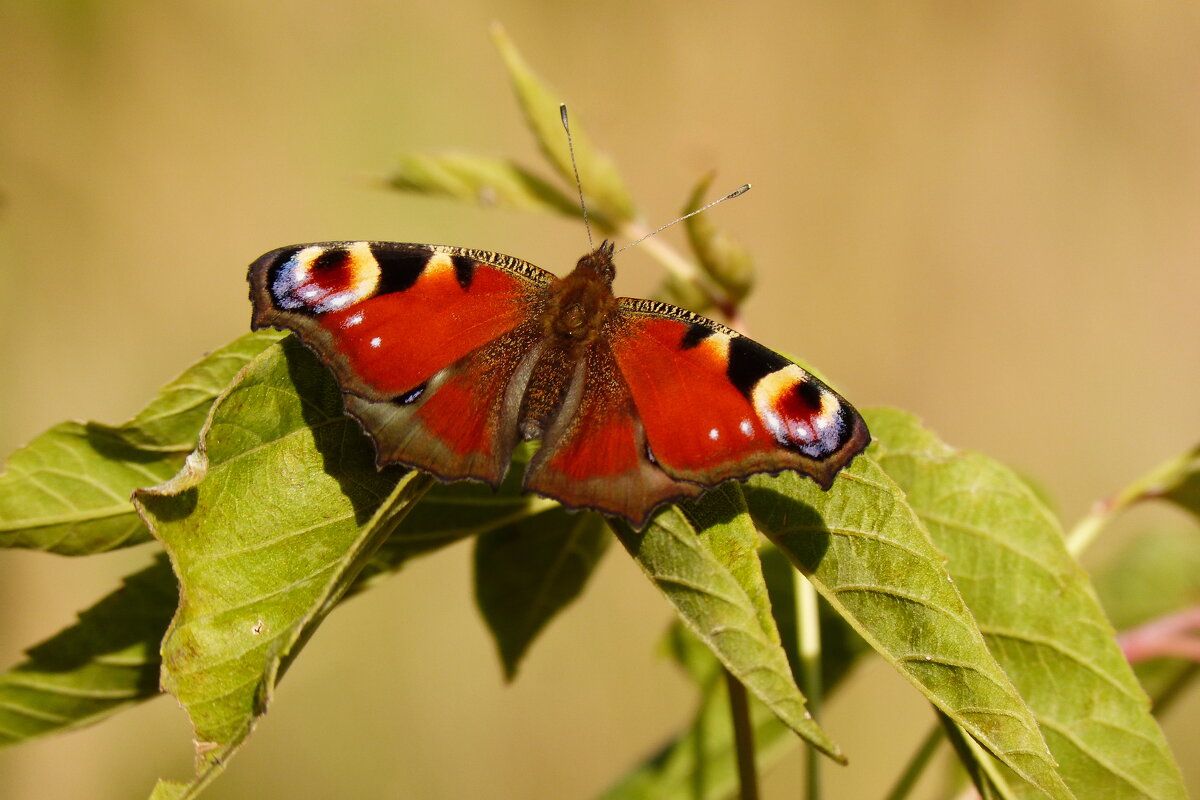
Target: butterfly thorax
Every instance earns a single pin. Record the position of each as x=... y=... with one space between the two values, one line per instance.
x=579 y=303
x=576 y=310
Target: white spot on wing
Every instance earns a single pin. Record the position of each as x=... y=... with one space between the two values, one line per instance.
x=746 y=427
x=376 y=342
x=714 y=434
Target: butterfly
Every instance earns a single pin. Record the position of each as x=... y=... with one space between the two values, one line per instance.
x=448 y=357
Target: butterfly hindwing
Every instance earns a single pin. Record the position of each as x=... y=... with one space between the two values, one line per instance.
x=716 y=405
x=594 y=455
x=424 y=340
x=462 y=422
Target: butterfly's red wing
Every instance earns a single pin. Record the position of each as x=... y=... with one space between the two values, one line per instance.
x=594 y=455
x=428 y=342
x=669 y=403
x=716 y=405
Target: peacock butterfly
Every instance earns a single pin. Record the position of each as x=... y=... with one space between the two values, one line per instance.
x=448 y=356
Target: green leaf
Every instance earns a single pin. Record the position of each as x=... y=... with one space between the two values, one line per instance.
x=450 y=512
x=611 y=204
x=721 y=257
x=529 y=570
x=103 y=663
x=841 y=646
x=173 y=790
x=497 y=182
x=1037 y=610
x=67 y=491
x=692 y=554
x=868 y=554
x=272 y=519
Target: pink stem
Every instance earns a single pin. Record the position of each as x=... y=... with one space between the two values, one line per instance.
x=1175 y=635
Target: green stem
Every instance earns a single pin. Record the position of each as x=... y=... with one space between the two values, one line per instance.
x=917 y=764
x=1148 y=486
x=808 y=638
x=743 y=736
x=662 y=252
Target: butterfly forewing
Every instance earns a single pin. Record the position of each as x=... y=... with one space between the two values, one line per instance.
x=423 y=339
x=716 y=405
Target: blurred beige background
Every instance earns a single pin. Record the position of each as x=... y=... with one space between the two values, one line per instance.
x=984 y=213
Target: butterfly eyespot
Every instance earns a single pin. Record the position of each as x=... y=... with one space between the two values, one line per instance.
x=320 y=279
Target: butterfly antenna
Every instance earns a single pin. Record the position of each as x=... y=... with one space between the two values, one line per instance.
x=735 y=193
x=562 y=112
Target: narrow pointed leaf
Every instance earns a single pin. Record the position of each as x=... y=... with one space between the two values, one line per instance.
x=716 y=607
x=867 y=553
x=841 y=645
x=103 y=663
x=67 y=491
x=1037 y=610
x=721 y=524
x=481 y=180
x=611 y=203
x=270 y=522
x=721 y=257
x=528 y=571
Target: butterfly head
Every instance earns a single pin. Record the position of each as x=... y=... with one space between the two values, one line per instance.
x=599 y=262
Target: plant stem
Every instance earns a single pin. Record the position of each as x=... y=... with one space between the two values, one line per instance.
x=743 y=736
x=662 y=252
x=1176 y=635
x=808 y=638
x=917 y=764
x=1148 y=486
